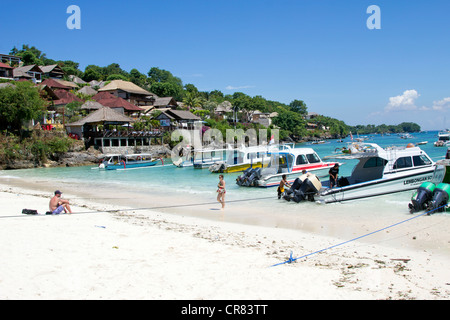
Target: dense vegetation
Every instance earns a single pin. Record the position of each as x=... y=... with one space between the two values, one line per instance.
x=402 y=127
x=290 y=120
x=21 y=103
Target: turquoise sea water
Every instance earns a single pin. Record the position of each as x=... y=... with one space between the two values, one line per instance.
x=196 y=181
x=192 y=192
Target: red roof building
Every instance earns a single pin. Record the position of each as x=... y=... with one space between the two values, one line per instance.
x=6 y=71
x=55 y=84
x=109 y=100
x=65 y=97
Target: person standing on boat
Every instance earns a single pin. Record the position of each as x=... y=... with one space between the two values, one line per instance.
x=221 y=191
x=283 y=183
x=334 y=171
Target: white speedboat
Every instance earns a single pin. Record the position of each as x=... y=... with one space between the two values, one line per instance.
x=288 y=161
x=443 y=139
x=380 y=171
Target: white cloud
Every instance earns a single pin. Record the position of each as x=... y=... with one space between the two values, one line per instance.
x=404 y=102
x=238 y=88
x=441 y=104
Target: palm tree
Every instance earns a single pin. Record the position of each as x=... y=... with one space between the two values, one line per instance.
x=192 y=101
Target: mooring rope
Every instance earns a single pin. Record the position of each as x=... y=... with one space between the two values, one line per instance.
x=291 y=259
x=139 y=209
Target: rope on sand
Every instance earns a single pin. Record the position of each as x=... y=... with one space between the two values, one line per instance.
x=291 y=259
x=137 y=209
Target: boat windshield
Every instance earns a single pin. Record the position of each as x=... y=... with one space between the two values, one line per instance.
x=281 y=162
x=313 y=158
x=421 y=160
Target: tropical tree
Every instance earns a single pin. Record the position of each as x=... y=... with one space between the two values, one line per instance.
x=19 y=103
x=167 y=89
x=192 y=101
x=298 y=106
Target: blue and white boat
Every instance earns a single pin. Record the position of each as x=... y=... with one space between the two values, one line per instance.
x=127 y=161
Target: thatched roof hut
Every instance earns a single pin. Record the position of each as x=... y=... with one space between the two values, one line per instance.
x=91 y=105
x=104 y=115
x=87 y=90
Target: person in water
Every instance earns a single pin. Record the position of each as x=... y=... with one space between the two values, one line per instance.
x=221 y=191
x=58 y=205
x=283 y=183
x=334 y=171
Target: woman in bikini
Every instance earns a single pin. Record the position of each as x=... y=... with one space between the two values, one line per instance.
x=221 y=191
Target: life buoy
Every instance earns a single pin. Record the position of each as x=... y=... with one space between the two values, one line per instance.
x=138 y=158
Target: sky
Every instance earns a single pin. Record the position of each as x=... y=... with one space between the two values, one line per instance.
x=321 y=52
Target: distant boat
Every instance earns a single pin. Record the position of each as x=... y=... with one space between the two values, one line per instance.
x=127 y=161
x=422 y=143
x=406 y=136
x=203 y=159
x=238 y=160
x=443 y=139
x=200 y=158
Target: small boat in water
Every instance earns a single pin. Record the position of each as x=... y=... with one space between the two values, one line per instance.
x=443 y=139
x=203 y=159
x=127 y=161
x=199 y=159
x=406 y=136
x=238 y=160
x=380 y=171
x=288 y=161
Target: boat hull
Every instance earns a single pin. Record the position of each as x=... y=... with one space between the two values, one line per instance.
x=242 y=167
x=121 y=165
x=395 y=183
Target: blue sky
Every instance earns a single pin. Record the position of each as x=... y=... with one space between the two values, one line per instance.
x=318 y=51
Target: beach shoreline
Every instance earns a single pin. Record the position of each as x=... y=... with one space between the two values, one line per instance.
x=111 y=250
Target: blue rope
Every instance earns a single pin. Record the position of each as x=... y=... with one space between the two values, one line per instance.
x=290 y=260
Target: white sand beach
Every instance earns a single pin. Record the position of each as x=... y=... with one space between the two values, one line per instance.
x=145 y=254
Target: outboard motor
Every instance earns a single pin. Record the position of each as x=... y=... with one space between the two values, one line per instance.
x=243 y=177
x=255 y=175
x=440 y=197
x=310 y=186
x=249 y=177
x=289 y=193
x=422 y=197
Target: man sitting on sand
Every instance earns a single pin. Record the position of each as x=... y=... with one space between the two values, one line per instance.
x=57 y=205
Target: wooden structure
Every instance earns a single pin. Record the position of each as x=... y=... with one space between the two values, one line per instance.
x=109 y=136
x=177 y=119
x=6 y=72
x=31 y=72
x=53 y=71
